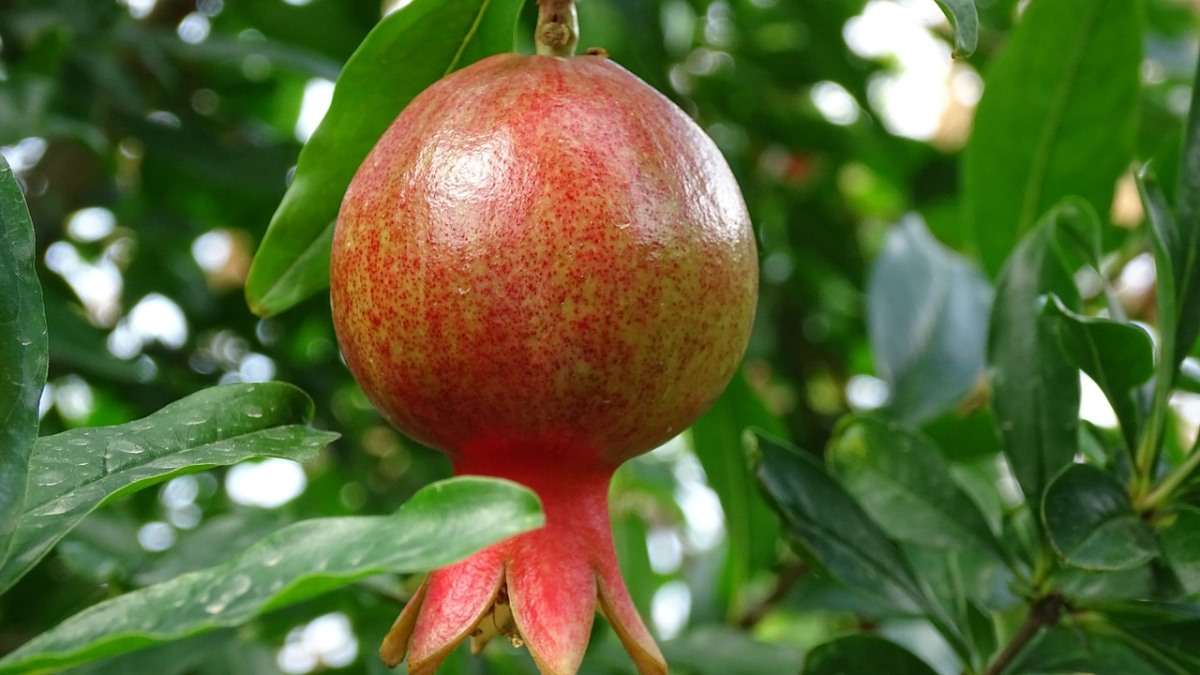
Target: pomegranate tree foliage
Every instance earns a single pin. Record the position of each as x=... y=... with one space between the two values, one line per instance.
x=970 y=522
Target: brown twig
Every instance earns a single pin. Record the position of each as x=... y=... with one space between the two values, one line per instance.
x=787 y=579
x=1045 y=612
x=557 y=31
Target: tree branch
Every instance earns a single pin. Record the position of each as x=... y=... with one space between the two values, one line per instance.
x=1044 y=613
x=788 y=578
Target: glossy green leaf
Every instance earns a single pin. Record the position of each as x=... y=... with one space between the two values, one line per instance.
x=1092 y=524
x=863 y=654
x=752 y=527
x=23 y=350
x=927 y=313
x=1117 y=356
x=206 y=545
x=1166 y=241
x=1096 y=587
x=1065 y=651
x=1163 y=633
x=900 y=479
x=442 y=523
x=1035 y=391
x=1180 y=540
x=833 y=527
x=965 y=20
x=172 y=658
x=1187 y=252
x=74 y=472
x=407 y=51
x=1057 y=118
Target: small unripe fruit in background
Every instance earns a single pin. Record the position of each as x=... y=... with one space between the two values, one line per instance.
x=543 y=269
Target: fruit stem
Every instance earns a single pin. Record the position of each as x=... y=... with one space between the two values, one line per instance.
x=557 y=31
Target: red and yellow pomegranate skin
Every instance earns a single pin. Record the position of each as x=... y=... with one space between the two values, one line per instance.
x=543 y=269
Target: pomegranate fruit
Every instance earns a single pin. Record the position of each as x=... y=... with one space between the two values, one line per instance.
x=543 y=269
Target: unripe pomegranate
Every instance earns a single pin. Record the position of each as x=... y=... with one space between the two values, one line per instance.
x=543 y=269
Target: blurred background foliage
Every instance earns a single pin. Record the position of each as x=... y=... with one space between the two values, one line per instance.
x=155 y=139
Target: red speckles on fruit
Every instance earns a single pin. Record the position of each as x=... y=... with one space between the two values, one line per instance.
x=544 y=268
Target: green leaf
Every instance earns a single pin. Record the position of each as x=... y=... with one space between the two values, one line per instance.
x=1180 y=540
x=407 y=51
x=855 y=654
x=172 y=658
x=1118 y=356
x=1062 y=651
x=833 y=527
x=1166 y=241
x=23 y=350
x=1035 y=391
x=724 y=651
x=206 y=545
x=1187 y=254
x=927 y=312
x=900 y=479
x=442 y=523
x=1085 y=586
x=1164 y=633
x=1057 y=118
x=965 y=20
x=752 y=527
x=74 y=472
x=103 y=548
x=1092 y=524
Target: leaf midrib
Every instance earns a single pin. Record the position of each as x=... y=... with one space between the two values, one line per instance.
x=1054 y=120
x=151 y=459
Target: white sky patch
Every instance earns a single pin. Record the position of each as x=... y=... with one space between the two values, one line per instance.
x=98 y=285
x=139 y=9
x=327 y=640
x=156 y=536
x=913 y=97
x=1093 y=405
x=212 y=250
x=670 y=608
x=74 y=399
x=834 y=103
x=268 y=484
x=194 y=28
x=867 y=392
x=318 y=94
x=157 y=317
x=1187 y=407
x=664 y=549
x=24 y=154
x=91 y=224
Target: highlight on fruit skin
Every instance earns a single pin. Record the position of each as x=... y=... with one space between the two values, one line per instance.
x=543 y=269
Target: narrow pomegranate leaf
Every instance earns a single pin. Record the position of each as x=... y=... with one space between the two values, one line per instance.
x=863 y=654
x=965 y=20
x=23 y=350
x=1187 y=268
x=407 y=51
x=835 y=529
x=1118 y=356
x=901 y=479
x=1058 y=118
x=1035 y=391
x=442 y=523
x=927 y=310
x=72 y=473
x=752 y=526
x=1180 y=540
